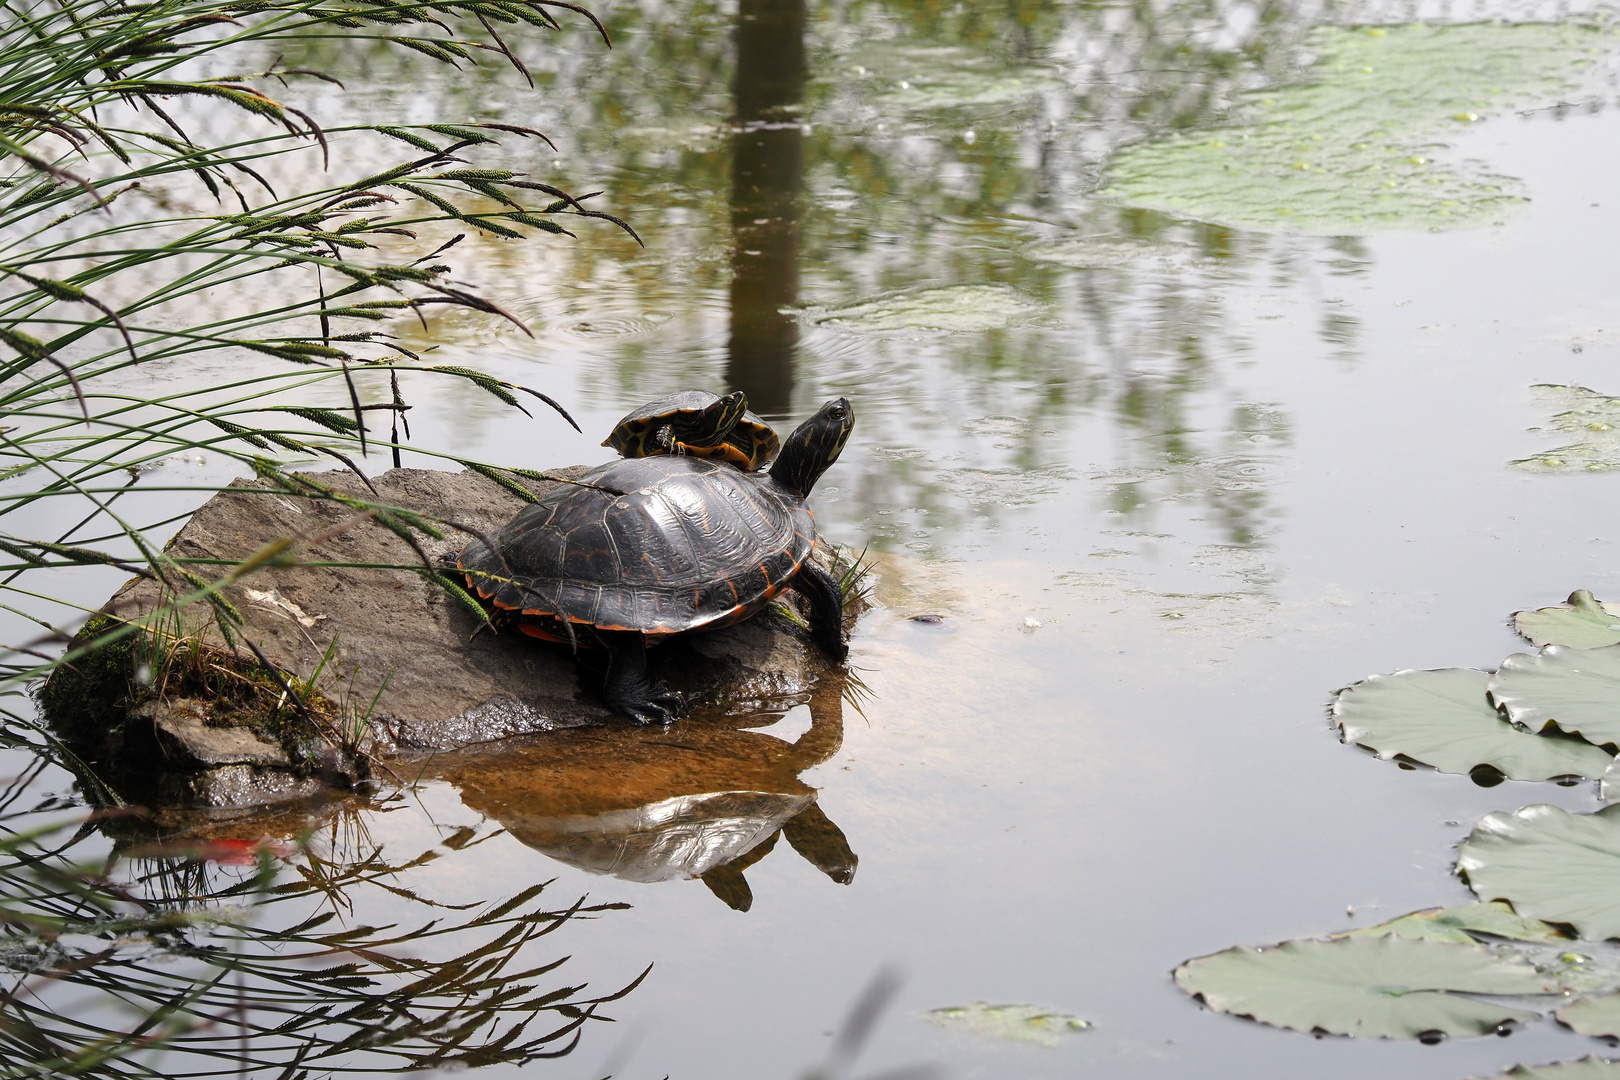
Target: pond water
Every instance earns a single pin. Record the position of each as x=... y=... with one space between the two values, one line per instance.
x=1167 y=482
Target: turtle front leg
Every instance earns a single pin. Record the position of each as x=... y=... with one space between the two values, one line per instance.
x=666 y=439
x=629 y=690
x=826 y=608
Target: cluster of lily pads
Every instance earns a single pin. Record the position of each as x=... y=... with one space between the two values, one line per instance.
x=1547 y=881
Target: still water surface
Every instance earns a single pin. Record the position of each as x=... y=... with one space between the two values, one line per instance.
x=1168 y=483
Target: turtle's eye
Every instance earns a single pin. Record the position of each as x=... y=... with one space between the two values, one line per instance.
x=836 y=412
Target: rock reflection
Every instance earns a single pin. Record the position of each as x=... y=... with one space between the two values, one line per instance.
x=207 y=953
x=701 y=799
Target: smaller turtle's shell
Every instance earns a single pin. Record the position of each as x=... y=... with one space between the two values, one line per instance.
x=687 y=412
x=691 y=544
x=748 y=442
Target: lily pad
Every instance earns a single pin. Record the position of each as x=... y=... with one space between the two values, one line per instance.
x=1598 y=1016
x=1016 y=1023
x=1352 y=148
x=1587 y=1068
x=1550 y=865
x=1459 y=924
x=1582 y=622
x=1590 y=419
x=1443 y=719
x=1576 y=689
x=950 y=309
x=1385 y=987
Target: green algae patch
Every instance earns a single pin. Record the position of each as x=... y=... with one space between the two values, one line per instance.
x=1590 y=424
x=948 y=309
x=928 y=78
x=1359 y=145
x=1012 y=1023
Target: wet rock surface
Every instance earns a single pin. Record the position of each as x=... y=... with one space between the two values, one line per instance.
x=236 y=787
x=398 y=640
x=182 y=731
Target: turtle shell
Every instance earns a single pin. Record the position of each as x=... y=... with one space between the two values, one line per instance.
x=691 y=415
x=750 y=444
x=692 y=543
x=697 y=428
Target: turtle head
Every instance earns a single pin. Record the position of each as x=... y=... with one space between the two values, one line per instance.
x=703 y=428
x=813 y=446
x=715 y=422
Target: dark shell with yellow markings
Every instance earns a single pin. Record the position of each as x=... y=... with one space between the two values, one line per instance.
x=699 y=423
x=750 y=443
x=693 y=543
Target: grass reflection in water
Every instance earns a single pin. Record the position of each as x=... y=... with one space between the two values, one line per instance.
x=174 y=963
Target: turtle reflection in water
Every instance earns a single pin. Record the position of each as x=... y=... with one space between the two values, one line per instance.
x=704 y=800
x=639 y=549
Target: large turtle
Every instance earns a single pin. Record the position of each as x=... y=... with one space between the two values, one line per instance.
x=699 y=423
x=646 y=547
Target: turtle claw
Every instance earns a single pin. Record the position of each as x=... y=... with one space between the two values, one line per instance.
x=663 y=706
x=667 y=701
x=647 y=715
x=659 y=705
x=628 y=690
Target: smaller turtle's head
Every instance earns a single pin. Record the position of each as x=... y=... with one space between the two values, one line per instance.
x=714 y=423
x=813 y=446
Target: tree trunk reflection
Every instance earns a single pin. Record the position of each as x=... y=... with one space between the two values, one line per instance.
x=767 y=155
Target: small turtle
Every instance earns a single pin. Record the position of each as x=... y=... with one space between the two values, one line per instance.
x=641 y=548
x=696 y=422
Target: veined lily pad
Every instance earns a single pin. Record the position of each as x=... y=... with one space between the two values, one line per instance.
x=1017 y=1023
x=1587 y=1068
x=1581 y=623
x=1443 y=719
x=1577 y=689
x=1385 y=987
x=1549 y=864
x=1599 y=1016
x=1590 y=419
x=1458 y=924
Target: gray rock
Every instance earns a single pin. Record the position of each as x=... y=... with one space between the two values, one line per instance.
x=400 y=639
x=241 y=787
x=187 y=740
